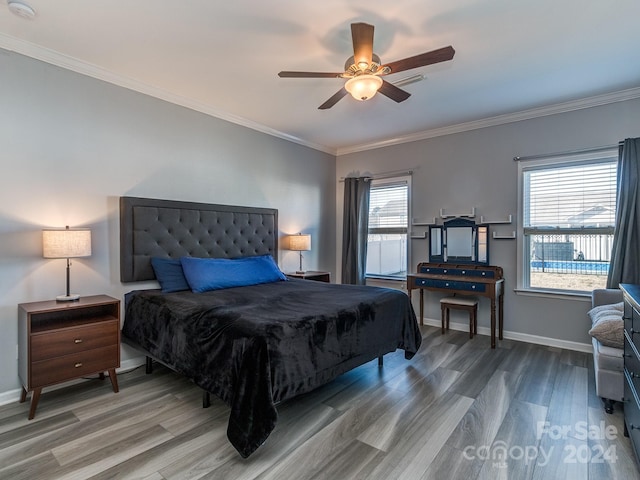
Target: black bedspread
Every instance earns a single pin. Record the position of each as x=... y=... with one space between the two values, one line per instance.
x=256 y=346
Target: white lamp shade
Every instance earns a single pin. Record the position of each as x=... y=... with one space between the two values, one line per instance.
x=300 y=243
x=66 y=243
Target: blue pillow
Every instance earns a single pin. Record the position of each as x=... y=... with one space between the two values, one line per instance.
x=169 y=274
x=204 y=274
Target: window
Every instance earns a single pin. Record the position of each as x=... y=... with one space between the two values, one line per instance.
x=388 y=226
x=567 y=220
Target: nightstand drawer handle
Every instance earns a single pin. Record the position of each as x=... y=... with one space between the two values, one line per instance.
x=77 y=340
x=78 y=365
x=634 y=427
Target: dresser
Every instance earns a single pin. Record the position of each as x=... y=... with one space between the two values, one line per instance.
x=61 y=341
x=631 y=296
x=462 y=279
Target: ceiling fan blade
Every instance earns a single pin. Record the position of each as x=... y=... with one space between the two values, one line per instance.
x=428 y=58
x=362 y=36
x=334 y=99
x=394 y=93
x=309 y=75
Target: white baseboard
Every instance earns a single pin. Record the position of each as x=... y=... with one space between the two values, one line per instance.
x=10 y=396
x=125 y=365
x=522 y=337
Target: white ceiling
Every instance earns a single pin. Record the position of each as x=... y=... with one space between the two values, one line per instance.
x=222 y=58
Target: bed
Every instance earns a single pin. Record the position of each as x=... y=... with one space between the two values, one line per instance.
x=255 y=345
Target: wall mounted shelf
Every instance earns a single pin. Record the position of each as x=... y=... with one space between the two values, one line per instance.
x=509 y=219
x=472 y=214
x=504 y=237
x=419 y=223
x=419 y=237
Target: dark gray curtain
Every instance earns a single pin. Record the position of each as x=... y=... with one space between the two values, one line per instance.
x=355 y=230
x=625 y=255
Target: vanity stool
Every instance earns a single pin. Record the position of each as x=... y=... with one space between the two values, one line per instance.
x=470 y=304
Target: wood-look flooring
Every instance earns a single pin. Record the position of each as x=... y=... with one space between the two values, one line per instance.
x=457 y=410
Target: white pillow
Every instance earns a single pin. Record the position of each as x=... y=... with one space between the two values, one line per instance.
x=607 y=324
x=616 y=307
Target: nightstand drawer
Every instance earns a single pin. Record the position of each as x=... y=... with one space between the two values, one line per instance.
x=73 y=340
x=59 y=369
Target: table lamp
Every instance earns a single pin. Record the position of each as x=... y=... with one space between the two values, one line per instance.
x=300 y=243
x=66 y=243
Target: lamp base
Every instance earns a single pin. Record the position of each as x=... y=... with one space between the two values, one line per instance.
x=68 y=298
x=301 y=271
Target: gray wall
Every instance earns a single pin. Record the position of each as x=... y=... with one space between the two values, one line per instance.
x=476 y=169
x=71 y=145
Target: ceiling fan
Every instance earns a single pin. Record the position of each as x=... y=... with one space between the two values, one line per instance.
x=364 y=69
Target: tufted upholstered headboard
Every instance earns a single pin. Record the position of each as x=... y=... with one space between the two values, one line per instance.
x=173 y=229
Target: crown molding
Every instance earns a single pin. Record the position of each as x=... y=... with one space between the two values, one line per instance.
x=570 y=106
x=69 y=63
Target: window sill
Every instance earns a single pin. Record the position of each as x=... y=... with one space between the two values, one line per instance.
x=389 y=282
x=386 y=279
x=529 y=292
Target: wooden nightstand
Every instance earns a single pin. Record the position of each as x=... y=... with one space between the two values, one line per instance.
x=61 y=341
x=312 y=275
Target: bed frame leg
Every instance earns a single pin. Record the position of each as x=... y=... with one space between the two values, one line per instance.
x=149 y=368
x=380 y=361
x=206 y=399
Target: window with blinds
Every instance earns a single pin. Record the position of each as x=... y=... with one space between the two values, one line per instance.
x=388 y=227
x=570 y=197
x=568 y=219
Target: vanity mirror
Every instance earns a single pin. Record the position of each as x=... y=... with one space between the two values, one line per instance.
x=459 y=241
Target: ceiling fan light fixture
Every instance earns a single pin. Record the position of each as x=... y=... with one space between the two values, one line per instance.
x=363 y=87
x=364 y=69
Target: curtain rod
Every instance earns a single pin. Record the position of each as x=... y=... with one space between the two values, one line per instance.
x=570 y=152
x=384 y=175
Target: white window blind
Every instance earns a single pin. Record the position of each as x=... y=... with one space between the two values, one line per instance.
x=387 y=244
x=389 y=208
x=570 y=197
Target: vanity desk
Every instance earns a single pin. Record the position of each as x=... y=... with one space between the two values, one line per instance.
x=458 y=265
x=485 y=281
